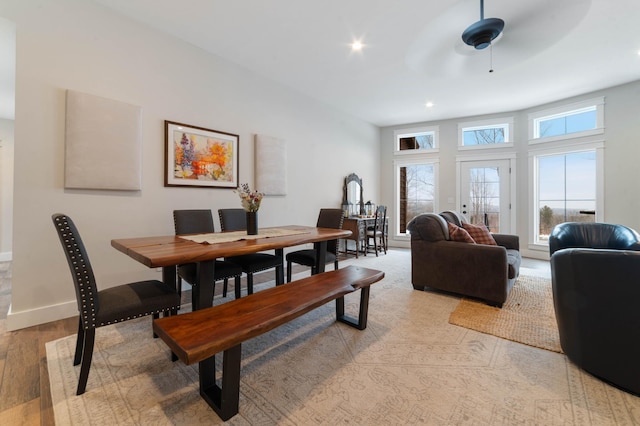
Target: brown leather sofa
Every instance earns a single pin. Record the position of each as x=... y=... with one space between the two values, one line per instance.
x=480 y=271
x=595 y=270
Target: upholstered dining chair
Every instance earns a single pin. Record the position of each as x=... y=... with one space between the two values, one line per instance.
x=201 y=222
x=376 y=233
x=98 y=308
x=327 y=218
x=236 y=220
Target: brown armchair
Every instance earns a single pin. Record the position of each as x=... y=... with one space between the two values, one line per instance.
x=480 y=271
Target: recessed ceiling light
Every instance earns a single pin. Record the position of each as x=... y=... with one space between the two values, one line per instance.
x=429 y=104
x=356 y=45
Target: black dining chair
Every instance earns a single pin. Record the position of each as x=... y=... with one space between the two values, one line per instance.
x=376 y=233
x=201 y=222
x=327 y=218
x=236 y=220
x=98 y=308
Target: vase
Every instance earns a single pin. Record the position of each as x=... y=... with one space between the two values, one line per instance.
x=252 y=223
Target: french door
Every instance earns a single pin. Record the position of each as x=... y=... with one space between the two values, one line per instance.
x=485 y=193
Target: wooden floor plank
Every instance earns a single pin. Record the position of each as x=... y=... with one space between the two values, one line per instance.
x=47 y=333
x=21 y=378
x=26 y=414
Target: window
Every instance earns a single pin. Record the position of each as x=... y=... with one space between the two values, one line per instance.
x=567 y=174
x=416 y=140
x=570 y=121
x=485 y=134
x=416 y=191
x=567 y=189
x=415 y=170
x=424 y=141
x=564 y=124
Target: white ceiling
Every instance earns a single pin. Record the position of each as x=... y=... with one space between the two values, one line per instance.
x=413 y=54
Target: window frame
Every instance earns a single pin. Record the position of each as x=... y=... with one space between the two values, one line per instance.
x=534 y=196
x=422 y=159
x=564 y=111
x=416 y=131
x=504 y=122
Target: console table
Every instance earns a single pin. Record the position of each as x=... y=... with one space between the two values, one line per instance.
x=358 y=227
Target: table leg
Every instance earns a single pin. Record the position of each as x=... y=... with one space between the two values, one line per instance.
x=169 y=276
x=224 y=399
x=321 y=255
x=280 y=268
x=202 y=292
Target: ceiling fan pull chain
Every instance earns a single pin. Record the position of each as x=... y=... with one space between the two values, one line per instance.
x=491 y=57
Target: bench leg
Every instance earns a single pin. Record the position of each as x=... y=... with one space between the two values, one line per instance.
x=223 y=399
x=361 y=322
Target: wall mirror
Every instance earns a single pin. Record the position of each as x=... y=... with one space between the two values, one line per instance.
x=353 y=195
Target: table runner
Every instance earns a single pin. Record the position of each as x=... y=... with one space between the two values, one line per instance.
x=226 y=237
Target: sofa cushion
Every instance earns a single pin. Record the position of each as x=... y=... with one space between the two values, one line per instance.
x=459 y=234
x=480 y=234
x=513 y=261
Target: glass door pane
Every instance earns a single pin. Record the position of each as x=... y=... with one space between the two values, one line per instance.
x=485 y=193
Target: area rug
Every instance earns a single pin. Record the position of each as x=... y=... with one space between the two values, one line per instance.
x=526 y=317
x=409 y=366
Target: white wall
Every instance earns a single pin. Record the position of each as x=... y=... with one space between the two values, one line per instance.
x=6 y=188
x=621 y=154
x=73 y=44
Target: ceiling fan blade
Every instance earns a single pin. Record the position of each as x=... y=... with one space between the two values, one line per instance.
x=529 y=29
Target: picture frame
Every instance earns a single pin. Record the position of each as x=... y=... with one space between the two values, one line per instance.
x=200 y=157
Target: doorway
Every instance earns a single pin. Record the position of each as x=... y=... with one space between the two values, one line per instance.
x=485 y=193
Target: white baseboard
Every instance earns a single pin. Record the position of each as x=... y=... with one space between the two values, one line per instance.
x=31 y=317
x=6 y=256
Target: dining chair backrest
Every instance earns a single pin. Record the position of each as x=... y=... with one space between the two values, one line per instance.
x=381 y=213
x=232 y=219
x=331 y=218
x=193 y=221
x=78 y=260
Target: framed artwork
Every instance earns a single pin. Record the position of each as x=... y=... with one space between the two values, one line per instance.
x=200 y=157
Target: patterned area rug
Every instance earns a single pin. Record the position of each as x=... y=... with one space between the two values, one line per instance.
x=526 y=317
x=410 y=366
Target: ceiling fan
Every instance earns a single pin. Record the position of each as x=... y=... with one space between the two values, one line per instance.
x=480 y=34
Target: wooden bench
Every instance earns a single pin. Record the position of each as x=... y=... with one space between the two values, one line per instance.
x=198 y=336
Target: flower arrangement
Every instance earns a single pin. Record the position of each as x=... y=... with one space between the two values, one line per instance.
x=250 y=199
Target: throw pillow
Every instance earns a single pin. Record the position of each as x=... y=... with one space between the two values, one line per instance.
x=458 y=234
x=480 y=234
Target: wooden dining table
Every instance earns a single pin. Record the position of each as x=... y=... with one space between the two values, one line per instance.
x=167 y=252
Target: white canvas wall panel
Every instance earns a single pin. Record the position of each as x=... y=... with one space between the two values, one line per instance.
x=103 y=143
x=271 y=165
